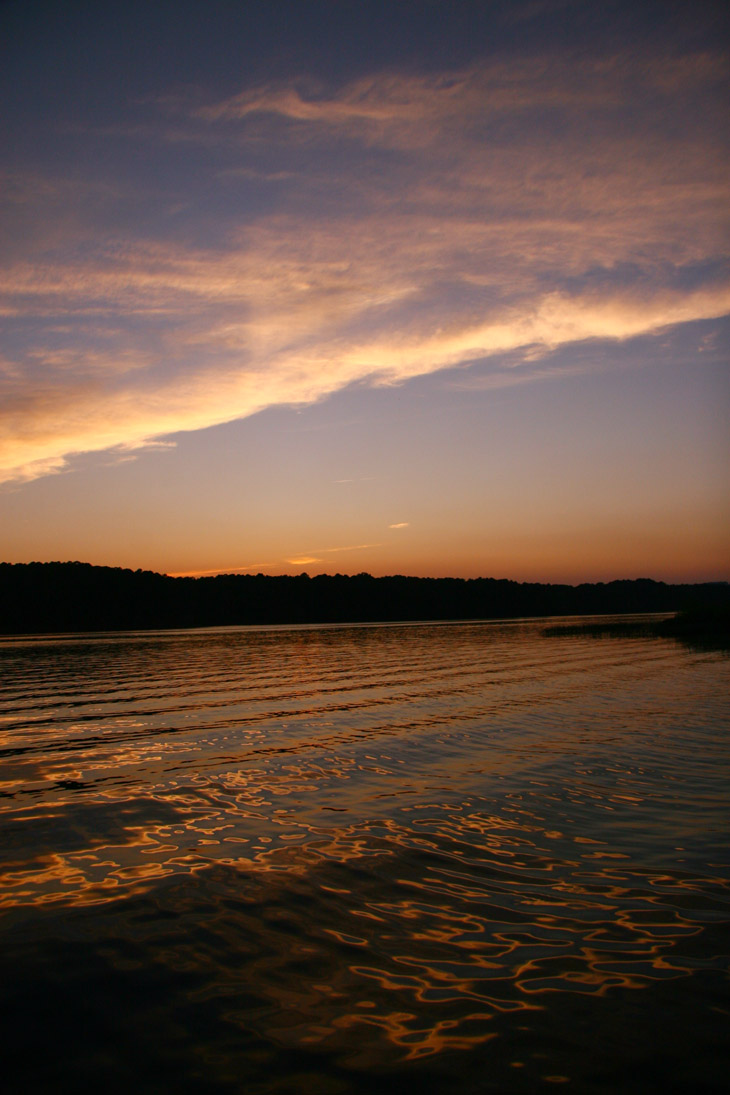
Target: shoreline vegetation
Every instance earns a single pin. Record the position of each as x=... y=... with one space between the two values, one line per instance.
x=55 y=597
x=706 y=625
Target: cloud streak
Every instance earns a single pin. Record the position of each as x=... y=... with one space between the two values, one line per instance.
x=484 y=234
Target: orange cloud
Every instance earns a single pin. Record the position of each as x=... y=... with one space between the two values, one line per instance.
x=223 y=570
x=469 y=249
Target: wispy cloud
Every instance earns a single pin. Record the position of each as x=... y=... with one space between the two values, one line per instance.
x=308 y=559
x=485 y=234
x=414 y=109
x=223 y=570
x=350 y=547
x=399 y=524
x=305 y=559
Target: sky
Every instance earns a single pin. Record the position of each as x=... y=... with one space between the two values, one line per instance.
x=346 y=285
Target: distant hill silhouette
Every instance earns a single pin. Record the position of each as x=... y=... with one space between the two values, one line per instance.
x=55 y=597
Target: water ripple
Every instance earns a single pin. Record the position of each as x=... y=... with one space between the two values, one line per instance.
x=330 y=858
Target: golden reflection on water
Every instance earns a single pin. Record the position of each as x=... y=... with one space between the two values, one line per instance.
x=395 y=844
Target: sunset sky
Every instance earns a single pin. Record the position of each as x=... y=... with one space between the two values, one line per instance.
x=400 y=287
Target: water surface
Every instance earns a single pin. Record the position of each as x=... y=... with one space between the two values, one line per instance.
x=467 y=856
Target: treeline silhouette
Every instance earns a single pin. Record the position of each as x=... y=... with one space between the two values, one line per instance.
x=38 y=598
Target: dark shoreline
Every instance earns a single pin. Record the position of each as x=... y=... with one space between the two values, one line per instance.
x=42 y=598
x=705 y=625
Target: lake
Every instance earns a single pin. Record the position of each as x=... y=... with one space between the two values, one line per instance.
x=465 y=857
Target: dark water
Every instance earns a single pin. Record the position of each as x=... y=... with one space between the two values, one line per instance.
x=460 y=857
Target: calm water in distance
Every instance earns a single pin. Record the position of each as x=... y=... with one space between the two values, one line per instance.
x=462 y=857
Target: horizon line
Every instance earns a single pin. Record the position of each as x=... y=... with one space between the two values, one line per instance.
x=242 y=572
